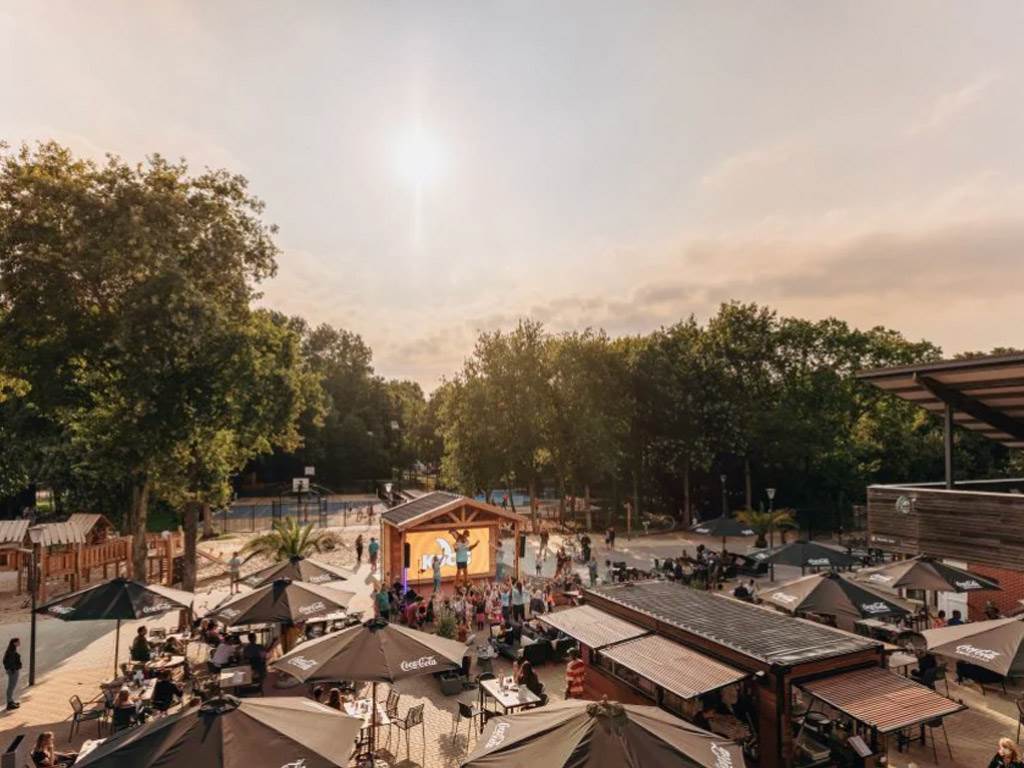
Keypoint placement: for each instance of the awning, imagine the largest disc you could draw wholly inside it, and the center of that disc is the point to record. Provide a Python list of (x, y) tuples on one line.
[(591, 627), (674, 667), (881, 699)]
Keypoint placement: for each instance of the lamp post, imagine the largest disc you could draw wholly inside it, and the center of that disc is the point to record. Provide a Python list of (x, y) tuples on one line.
[(722, 478), (35, 535), (771, 528)]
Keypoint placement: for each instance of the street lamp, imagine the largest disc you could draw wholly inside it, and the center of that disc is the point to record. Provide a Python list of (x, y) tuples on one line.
[(724, 505), (771, 527), (35, 535)]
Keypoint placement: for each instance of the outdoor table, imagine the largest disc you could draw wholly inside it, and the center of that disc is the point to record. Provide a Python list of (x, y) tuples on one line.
[(901, 661), (88, 746), (171, 662), (362, 708), (233, 677), (510, 700)]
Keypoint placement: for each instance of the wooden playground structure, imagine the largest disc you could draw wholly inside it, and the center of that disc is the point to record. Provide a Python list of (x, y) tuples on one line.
[(67, 556)]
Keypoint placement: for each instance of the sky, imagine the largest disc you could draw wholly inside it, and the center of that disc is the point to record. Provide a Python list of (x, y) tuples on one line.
[(441, 168)]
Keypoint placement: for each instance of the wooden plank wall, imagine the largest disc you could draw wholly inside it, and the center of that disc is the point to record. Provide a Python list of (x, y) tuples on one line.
[(974, 527)]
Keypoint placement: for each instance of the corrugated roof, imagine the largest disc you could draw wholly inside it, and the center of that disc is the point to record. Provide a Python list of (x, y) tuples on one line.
[(881, 699), (436, 502), (87, 520), (55, 534), (424, 505), (759, 633), (673, 666), (13, 531), (986, 393), (592, 627)]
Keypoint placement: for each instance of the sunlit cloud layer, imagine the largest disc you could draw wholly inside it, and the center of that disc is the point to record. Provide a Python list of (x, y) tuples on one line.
[(441, 169)]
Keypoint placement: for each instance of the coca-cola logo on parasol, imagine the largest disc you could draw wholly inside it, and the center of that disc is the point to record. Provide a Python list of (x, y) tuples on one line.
[(317, 607), (300, 763), (61, 610), (701, 530), (498, 737), (968, 584), (157, 607), (320, 579), (881, 578), (722, 757), (819, 561), (230, 613), (784, 597), (972, 652), (878, 607), (423, 662), (302, 663)]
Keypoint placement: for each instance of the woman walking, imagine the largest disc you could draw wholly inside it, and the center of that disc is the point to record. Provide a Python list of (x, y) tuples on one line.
[(359, 550), (12, 666)]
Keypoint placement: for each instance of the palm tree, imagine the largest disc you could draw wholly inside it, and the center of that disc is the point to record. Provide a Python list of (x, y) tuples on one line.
[(287, 539), (761, 522)]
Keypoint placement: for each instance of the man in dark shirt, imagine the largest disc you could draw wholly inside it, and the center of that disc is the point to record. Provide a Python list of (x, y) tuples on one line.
[(165, 692), (140, 647), (254, 655)]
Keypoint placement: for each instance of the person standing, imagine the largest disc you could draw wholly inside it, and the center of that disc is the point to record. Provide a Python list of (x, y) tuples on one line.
[(499, 561), (518, 603), (140, 647), (235, 571), (575, 672), (373, 550), (544, 536), (592, 570), (462, 550), (611, 537), (359, 550), (506, 604), (383, 601), (435, 566), (12, 666)]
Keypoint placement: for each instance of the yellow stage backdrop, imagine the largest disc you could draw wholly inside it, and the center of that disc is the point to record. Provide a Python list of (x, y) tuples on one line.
[(423, 545)]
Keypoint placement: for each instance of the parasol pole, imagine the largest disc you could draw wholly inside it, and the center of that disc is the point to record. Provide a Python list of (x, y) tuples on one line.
[(373, 723), (117, 646)]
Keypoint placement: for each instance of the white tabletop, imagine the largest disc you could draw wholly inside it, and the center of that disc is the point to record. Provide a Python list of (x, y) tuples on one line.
[(521, 696), (232, 677), (361, 708)]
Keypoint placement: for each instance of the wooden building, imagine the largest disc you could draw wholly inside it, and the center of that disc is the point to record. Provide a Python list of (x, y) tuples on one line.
[(96, 528), (976, 524), (414, 532), (673, 644)]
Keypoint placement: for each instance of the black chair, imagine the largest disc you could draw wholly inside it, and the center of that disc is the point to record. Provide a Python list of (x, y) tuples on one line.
[(79, 715), (412, 718), (930, 727), (122, 718), (468, 712)]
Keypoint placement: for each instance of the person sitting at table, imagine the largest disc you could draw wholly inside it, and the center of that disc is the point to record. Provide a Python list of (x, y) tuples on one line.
[(741, 592), (926, 670), (992, 610), (173, 647), (955, 620), (224, 654), (125, 712), (509, 641), (140, 647), (165, 692), (334, 699), (939, 621), (44, 755), (528, 677), (318, 693), (254, 655), (210, 634), (703, 717), (1006, 755)]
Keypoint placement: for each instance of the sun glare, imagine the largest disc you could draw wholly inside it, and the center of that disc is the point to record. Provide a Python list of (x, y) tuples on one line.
[(419, 158)]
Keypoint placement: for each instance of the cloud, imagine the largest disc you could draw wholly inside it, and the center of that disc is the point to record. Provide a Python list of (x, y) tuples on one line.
[(927, 281), (948, 105)]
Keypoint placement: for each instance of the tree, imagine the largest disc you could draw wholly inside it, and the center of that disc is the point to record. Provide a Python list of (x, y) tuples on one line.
[(109, 276), (586, 421), (761, 521), (287, 539)]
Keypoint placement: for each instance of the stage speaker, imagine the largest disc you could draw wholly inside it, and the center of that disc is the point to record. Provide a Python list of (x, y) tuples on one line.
[(406, 554), (522, 545)]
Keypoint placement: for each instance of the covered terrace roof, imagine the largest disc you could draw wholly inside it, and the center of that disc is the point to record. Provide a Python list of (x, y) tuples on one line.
[(986, 394)]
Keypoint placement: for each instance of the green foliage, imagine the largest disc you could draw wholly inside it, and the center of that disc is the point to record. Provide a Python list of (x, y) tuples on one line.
[(445, 625), (288, 538), (762, 521)]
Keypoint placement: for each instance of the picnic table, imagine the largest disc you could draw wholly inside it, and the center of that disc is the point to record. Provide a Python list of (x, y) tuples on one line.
[(234, 677), (510, 699)]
